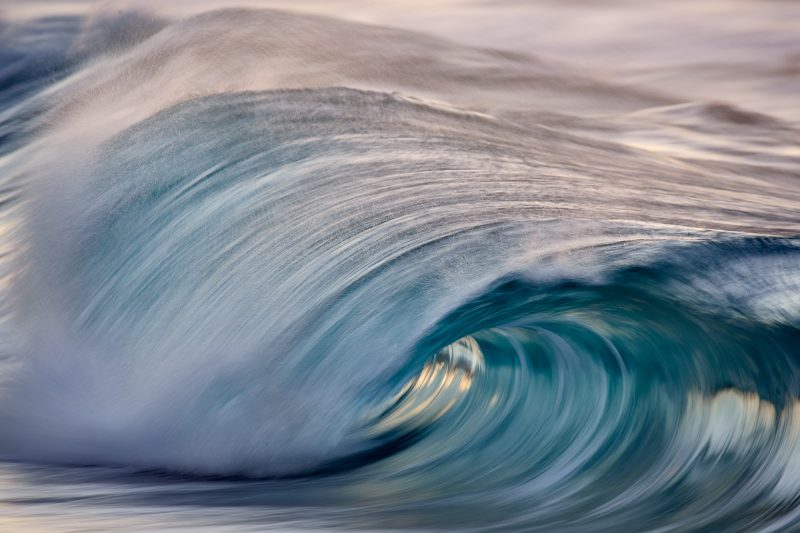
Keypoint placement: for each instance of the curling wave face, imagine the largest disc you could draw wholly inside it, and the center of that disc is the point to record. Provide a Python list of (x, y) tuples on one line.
[(246, 269)]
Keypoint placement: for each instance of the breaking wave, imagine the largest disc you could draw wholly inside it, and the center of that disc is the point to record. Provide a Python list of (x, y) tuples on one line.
[(239, 267)]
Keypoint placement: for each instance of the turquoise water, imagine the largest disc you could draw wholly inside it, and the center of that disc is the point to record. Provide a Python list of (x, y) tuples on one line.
[(274, 271)]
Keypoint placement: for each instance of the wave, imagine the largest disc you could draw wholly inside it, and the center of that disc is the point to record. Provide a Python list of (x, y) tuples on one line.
[(237, 268)]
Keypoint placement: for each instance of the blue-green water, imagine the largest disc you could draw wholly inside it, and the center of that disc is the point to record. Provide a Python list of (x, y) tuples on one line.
[(269, 271)]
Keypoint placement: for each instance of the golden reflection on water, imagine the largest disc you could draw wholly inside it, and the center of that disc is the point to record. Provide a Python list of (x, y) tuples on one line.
[(440, 385)]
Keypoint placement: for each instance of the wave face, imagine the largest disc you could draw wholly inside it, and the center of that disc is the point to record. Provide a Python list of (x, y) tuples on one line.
[(381, 282)]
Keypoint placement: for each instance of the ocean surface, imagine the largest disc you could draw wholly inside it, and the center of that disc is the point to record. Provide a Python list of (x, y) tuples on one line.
[(400, 266)]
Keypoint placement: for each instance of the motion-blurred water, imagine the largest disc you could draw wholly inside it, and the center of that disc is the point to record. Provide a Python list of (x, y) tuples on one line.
[(468, 266)]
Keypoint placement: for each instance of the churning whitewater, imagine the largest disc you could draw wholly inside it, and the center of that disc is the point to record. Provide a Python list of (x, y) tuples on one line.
[(386, 280)]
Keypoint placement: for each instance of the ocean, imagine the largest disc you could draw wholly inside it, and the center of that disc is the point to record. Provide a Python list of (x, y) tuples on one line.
[(400, 266)]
